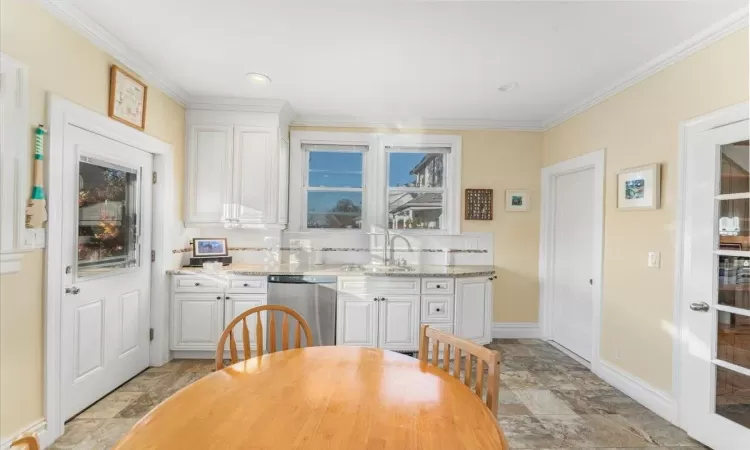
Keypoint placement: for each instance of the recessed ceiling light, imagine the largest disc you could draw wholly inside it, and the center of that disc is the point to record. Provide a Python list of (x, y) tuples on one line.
[(258, 78), (509, 87)]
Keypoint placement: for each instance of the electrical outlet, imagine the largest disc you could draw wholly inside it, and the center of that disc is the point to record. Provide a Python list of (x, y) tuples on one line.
[(654, 259)]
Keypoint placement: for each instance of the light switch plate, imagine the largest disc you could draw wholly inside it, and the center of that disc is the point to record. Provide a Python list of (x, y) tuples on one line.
[(654, 259)]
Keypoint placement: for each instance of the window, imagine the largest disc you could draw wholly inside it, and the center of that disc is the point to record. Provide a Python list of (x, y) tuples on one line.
[(333, 185), (370, 182), (416, 187)]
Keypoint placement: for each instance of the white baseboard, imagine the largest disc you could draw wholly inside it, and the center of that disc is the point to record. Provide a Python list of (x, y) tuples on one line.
[(652, 398), (39, 427), (516, 330)]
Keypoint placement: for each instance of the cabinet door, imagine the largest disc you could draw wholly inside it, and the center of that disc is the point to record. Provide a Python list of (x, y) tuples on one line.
[(399, 322), (235, 305), (208, 186), (253, 177), (197, 321), (473, 309), (283, 182), (356, 320)]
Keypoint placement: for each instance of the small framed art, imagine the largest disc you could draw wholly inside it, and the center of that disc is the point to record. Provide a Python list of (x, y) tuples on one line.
[(478, 204), (639, 188), (516, 200), (210, 247), (127, 98)]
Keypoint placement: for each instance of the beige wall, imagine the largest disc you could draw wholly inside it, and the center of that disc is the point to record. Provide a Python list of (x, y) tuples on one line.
[(62, 62), (640, 126), (502, 160)]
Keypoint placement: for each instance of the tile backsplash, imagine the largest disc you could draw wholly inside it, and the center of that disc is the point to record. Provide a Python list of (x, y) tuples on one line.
[(249, 247)]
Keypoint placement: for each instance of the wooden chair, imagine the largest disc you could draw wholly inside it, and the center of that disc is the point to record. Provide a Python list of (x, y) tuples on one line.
[(229, 333), (29, 442), (484, 356)]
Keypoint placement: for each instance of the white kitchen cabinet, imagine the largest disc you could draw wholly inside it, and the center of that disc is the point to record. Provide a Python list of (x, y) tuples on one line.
[(473, 309), (236, 304), (357, 320), (197, 321), (399, 322), (237, 168), (208, 163)]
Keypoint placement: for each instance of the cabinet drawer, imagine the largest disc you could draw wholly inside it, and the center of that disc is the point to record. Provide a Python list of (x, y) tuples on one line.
[(437, 285), (437, 308), (198, 284), (382, 286), (250, 285)]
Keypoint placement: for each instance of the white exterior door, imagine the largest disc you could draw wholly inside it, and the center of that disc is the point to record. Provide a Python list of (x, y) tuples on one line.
[(399, 322), (357, 320), (474, 309), (106, 260), (716, 289), (572, 265)]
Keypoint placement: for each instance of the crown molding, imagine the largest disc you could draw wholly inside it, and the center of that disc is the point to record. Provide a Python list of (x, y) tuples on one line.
[(714, 33), (421, 124), (67, 13)]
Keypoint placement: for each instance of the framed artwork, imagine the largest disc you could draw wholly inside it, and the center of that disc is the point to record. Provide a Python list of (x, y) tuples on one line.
[(478, 204), (516, 200), (639, 188), (210, 247), (127, 98)]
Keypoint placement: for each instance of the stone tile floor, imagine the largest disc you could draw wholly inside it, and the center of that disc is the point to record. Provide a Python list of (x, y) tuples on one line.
[(547, 401)]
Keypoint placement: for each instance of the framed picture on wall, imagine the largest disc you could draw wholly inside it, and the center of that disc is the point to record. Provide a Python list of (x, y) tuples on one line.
[(639, 188), (516, 200), (127, 98)]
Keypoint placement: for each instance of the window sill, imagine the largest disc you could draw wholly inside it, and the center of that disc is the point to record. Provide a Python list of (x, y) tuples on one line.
[(10, 263)]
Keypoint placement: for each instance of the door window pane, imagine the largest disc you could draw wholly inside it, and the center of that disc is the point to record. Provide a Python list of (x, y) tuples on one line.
[(734, 224), (415, 210), (335, 169), (334, 209), (107, 228), (735, 163), (415, 169), (733, 336), (734, 281), (733, 396)]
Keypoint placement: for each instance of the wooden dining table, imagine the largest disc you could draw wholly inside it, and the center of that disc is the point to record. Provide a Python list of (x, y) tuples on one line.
[(321, 398)]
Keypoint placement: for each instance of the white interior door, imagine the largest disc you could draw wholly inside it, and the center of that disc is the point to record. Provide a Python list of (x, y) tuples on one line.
[(572, 265), (716, 289), (106, 258)]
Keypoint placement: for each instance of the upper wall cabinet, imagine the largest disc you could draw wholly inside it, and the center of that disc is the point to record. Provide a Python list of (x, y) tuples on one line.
[(237, 167)]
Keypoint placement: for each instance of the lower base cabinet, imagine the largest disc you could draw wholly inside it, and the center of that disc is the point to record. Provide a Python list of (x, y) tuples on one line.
[(235, 305), (473, 309), (197, 321), (399, 322), (372, 320)]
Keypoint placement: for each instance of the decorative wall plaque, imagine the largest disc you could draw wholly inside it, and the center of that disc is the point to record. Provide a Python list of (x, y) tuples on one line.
[(478, 204)]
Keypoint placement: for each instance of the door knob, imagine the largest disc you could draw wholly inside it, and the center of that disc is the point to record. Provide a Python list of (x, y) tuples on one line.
[(72, 290), (700, 306)]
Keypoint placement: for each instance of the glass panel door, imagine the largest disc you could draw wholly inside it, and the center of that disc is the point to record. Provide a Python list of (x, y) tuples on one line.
[(108, 218)]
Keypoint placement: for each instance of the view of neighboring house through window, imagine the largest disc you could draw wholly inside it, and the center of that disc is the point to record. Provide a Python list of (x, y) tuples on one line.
[(334, 185), (416, 187)]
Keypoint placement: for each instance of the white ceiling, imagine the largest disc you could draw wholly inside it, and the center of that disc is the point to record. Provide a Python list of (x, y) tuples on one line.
[(406, 61)]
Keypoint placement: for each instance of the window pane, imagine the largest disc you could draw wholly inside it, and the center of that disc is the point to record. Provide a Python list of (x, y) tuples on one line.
[(334, 209), (735, 163), (335, 169), (733, 396), (415, 169), (417, 210), (734, 281), (106, 219), (734, 224), (733, 336)]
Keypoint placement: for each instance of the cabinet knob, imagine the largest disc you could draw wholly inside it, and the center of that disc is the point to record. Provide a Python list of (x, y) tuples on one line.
[(246, 285), (197, 284), (227, 297), (375, 299), (218, 298), (383, 299), (438, 286), (437, 309)]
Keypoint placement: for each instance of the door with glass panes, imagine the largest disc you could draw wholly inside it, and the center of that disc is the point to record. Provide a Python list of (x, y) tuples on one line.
[(716, 289), (106, 237)]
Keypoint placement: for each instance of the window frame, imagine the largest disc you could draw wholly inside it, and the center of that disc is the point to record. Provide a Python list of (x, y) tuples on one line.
[(375, 186)]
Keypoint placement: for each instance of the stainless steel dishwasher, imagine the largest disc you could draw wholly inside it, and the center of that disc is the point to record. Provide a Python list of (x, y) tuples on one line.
[(313, 297)]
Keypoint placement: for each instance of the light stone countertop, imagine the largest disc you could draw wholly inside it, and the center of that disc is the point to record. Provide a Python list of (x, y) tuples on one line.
[(341, 270)]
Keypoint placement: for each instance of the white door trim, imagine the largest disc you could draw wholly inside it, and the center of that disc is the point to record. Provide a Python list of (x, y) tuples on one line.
[(60, 114), (688, 131), (596, 161)]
